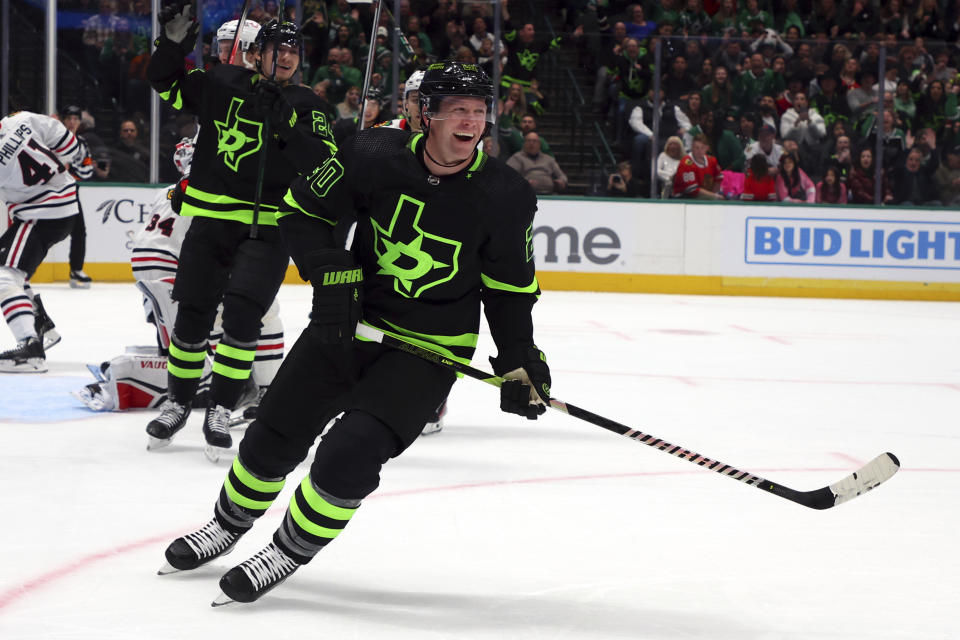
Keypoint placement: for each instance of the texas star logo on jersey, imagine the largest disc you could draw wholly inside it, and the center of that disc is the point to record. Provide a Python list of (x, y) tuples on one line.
[(237, 137), (417, 259)]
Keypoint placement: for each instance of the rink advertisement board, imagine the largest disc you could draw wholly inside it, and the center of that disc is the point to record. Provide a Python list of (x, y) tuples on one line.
[(664, 246)]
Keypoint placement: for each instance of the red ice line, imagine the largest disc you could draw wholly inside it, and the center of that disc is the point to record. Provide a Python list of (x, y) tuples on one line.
[(11, 595)]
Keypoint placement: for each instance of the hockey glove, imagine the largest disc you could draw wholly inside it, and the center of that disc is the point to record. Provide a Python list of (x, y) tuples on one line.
[(270, 104), (178, 25), (176, 194), (336, 284), (526, 390)]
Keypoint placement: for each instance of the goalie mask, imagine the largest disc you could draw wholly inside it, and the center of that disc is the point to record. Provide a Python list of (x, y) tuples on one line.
[(454, 79)]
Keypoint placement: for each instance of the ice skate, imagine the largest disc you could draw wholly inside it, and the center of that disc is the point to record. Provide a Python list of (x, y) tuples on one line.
[(198, 548), (26, 357), (172, 418), (43, 325), (254, 577), (249, 406), (216, 431), (80, 280), (436, 423)]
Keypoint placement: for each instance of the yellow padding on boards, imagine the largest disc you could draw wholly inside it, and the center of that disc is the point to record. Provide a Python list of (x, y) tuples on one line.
[(634, 283)]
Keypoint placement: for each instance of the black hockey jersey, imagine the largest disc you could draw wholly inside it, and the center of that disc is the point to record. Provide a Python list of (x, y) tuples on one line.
[(226, 161), (431, 248)]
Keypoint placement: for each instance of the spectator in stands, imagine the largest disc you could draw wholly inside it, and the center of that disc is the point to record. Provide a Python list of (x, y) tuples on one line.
[(759, 185), (677, 84), (861, 181), (848, 71), (732, 57), (892, 18), (718, 96), (611, 46), (350, 107), (523, 57), (842, 156), (688, 115), (926, 21), (751, 13), (826, 19), (698, 174), (864, 96), (512, 107), (912, 185), (539, 169), (726, 19), (768, 111), (130, 159), (831, 190), (935, 107), (804, 121), (894, 141), (98, 30), (705, 76), (947, 177), (694, 21), (829, 102), (633, 72), (793, 183), (904, 103), (758, 80), (942, 69), (339, 72), (623, 184), (765, 146), (72, 118), (514, 136), (639, 28), (667, 163)]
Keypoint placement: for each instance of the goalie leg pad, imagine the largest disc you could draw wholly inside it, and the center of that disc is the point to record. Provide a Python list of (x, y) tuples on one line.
[(157, 298)]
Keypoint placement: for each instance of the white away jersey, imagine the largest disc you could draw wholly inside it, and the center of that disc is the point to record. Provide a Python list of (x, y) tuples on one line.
[(156, 247), (34, 181)]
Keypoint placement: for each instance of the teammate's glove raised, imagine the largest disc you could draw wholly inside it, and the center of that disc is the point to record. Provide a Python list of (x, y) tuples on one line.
[(270, 104), (526, 390), (178, 25), (336, 284)]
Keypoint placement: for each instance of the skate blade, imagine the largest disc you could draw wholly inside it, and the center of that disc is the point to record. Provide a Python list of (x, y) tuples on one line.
[(221, 600), (50, 338), (157, 443), (214, 454), (167, 569), (432, 427), (76, 284)]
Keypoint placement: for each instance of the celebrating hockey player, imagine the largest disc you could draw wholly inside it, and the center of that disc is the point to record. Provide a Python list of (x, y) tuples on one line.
[(41, 198), (441, 229), (219, 259)]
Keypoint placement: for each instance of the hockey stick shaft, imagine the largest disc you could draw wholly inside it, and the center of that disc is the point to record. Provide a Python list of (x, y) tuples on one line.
[(866, 478), (236, 36), (371, 54), (262, 160)]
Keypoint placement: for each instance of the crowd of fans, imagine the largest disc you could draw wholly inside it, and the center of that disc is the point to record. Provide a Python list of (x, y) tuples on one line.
[(794, 82), (111, 40), (778, 101)]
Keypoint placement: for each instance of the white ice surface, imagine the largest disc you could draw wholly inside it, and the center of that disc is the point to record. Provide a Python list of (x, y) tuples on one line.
[(503, 528)]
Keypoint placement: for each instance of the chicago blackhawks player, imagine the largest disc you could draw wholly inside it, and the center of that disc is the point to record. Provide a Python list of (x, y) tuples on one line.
[(222, 259), (41, 198), (441, 229)]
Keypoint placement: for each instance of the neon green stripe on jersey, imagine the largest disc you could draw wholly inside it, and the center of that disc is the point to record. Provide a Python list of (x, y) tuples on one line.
[(490, 283), (291, 201)]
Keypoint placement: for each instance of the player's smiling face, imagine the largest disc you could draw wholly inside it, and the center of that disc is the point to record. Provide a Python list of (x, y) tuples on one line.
[(287, 62), (458, 124)]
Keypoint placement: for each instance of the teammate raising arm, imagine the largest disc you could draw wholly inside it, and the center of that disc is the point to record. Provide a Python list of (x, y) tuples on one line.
[(219, 260), (441, 229)]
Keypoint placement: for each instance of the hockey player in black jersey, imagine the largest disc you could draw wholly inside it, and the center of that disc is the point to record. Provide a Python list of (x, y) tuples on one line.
[(219, 259), (441, 229)]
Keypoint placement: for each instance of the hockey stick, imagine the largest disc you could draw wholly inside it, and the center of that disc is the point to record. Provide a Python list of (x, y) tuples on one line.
[(368, 71), (262, 164), (869, 476), (236, 36)]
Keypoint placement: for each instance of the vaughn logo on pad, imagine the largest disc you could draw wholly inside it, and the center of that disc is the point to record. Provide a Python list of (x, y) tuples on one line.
[(905, 244)]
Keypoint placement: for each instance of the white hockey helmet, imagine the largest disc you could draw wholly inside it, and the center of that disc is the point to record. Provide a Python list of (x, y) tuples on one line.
[(412, 83), (183, 156), (227, 31)]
